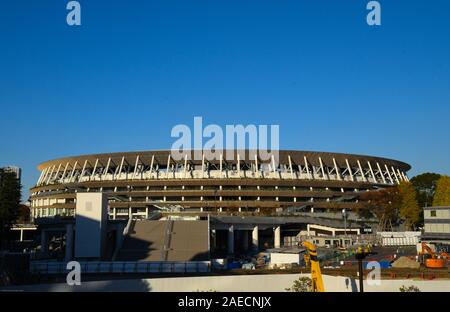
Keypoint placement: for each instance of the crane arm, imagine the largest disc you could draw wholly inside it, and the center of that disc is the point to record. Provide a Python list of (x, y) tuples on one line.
[(427, 249), (316, 274)]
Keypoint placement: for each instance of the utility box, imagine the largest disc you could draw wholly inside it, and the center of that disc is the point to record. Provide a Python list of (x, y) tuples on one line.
[(91, 217)]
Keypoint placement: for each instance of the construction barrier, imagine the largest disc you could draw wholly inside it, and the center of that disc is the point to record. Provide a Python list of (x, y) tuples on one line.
[(49, 267)]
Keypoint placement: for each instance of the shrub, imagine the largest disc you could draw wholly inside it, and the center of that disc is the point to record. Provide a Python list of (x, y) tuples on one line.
[(303, 284), (411, 288)]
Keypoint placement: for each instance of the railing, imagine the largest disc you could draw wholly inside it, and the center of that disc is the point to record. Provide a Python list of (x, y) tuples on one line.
[(226, 174), (98, 267)]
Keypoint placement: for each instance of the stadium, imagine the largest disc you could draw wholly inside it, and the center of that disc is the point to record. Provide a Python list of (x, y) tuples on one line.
[(140, 183)]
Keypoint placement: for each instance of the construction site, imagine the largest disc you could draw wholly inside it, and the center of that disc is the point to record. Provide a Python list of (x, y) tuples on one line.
[(218, 222), (173, 248)]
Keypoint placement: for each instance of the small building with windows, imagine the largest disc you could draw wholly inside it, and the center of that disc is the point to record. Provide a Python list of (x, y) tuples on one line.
[(437, 225)]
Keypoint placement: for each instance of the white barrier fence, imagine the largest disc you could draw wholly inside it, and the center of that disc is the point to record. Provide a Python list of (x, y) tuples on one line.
[(399, 238), (49, 267)]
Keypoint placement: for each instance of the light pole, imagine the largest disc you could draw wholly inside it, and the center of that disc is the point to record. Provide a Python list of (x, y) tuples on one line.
[(344, 214)]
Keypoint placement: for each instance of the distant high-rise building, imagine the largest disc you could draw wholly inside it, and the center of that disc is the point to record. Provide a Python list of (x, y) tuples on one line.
[(13, 169)]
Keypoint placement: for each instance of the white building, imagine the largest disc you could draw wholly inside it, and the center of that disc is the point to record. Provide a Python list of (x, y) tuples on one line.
[(437, 224)]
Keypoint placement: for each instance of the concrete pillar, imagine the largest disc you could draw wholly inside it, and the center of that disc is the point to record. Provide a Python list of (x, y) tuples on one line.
[(255, 238), (69, 242), (21, 235), (231, 240), (277, 236), (245, 240)]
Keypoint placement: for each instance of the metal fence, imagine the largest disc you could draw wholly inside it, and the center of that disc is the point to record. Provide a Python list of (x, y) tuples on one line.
[(49, 267)]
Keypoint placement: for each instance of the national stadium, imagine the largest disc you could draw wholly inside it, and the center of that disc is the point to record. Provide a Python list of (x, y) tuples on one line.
[(138, 183), (195, 208)]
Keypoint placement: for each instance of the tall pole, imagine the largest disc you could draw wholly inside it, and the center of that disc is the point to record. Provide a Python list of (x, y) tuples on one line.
[(361, 254), (361, 272), (344, 213)]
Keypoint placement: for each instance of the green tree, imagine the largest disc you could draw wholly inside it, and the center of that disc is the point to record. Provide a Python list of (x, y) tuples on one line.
[(425, 185), (442, 194), (409, 209), (10, 190)]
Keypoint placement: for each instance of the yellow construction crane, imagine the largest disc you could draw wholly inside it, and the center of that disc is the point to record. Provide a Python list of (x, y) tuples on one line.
[(316, 275)]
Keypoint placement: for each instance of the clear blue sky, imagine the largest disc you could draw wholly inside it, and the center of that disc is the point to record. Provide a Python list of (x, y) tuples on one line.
[(134, 69)]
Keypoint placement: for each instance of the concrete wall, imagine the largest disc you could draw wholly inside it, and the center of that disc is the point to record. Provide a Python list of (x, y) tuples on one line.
[(242, 283), (437, 219)]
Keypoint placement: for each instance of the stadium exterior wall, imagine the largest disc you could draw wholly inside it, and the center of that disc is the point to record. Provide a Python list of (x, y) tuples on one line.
[(137, 183)]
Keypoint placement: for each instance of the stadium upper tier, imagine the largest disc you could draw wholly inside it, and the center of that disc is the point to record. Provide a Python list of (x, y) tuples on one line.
[(139, 181)]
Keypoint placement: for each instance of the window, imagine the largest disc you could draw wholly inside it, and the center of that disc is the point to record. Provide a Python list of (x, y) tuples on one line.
[(433, 213)]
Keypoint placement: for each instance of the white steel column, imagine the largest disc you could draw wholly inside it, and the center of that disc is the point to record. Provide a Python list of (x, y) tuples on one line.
[(119, 173), (43, 176), (151, 166), (256, 166), (322, 169), (203, 165), (307, 167), (47, 171), (105, 172), (381, 172), (50, 175), (185, 166), (168, 166), (95, 169), (405, 177), (371, 172), (273, 164), (349, 170), (239, 165), (47, 175), (338, 173), (57, 171), (290, 166), (400, 175), (40, 177), (73, 171), (64, 172), (136, 164), (395, 175), (221, 165), (82, 170), (361, 171), (389, 174)]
